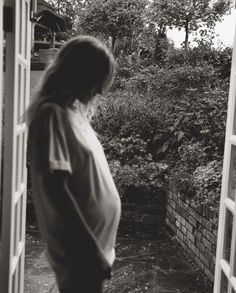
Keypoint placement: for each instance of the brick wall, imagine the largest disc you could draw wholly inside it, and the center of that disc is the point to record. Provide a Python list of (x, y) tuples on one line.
[(195, 230), (142, 212)]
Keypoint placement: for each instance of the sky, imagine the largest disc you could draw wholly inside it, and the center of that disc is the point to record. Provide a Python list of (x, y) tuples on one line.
[(225, 31)]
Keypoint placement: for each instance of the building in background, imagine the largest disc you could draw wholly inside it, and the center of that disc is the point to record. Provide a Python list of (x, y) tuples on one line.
[(48, 31)]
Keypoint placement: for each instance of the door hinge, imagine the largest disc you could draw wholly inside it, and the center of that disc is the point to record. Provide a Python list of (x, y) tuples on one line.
[(8, 18)]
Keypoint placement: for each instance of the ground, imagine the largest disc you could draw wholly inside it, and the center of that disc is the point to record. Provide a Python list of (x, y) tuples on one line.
[(146, 262)]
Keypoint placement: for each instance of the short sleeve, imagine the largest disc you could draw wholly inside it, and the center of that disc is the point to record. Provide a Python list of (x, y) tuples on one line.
[(50, 140), (58, 148)]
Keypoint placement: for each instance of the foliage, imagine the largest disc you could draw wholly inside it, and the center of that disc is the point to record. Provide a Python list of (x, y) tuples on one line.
[(172, 115), (201, 186), (124, 114), (207, 182), (204, 54), (201, 116), (147, 177), (189, 15), (125, 125), (189, 156), (122, 18), (132, 165), (68, 10)]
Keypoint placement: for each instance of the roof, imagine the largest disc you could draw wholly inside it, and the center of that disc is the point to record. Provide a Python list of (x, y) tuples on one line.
[(47, 16)]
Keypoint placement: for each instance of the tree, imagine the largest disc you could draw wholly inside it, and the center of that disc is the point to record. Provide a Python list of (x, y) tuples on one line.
[(188, 14), (68, 10), (115, 19)]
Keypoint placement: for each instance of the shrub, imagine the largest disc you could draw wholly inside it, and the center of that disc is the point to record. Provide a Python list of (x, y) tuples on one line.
[(201, 117), (166, 123), (124, 114), (147, 177), (189, 156), (207, 182), (132, 165), (202, 55)]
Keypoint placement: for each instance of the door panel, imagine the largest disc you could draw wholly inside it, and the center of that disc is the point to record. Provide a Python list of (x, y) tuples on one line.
[(17, 74)]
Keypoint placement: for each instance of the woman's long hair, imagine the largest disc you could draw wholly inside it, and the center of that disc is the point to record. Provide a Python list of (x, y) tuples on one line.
[(82, 68)]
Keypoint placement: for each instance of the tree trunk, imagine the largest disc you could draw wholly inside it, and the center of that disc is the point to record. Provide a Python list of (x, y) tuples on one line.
[(186, 35)]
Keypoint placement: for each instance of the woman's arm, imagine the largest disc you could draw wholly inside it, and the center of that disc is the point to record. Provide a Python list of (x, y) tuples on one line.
[(77, 240)]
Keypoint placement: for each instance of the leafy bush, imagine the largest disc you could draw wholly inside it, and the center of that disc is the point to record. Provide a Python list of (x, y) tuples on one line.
[(189, 156), (202, 117), (133, 166), (147, 177), (207, 182), (200, 56), (124, 114), (167, 124)]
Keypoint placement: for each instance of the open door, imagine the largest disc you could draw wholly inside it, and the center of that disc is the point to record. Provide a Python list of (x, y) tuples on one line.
[(225, 271), (17, 77)]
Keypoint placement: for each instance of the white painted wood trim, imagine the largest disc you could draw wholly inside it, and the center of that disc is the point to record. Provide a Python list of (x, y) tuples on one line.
[(226, 203)]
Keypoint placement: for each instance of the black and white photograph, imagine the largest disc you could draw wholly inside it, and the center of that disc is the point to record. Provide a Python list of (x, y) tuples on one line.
[(117, 146)]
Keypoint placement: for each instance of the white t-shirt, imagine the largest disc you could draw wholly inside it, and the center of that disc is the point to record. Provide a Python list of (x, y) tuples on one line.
[(100, 201), (55, 144)]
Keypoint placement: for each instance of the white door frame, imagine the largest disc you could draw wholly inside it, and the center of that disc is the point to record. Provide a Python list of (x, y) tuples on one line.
[(225, 270), (17, 79)]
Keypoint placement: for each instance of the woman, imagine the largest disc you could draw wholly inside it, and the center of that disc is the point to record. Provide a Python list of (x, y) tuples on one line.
[(76, 201)]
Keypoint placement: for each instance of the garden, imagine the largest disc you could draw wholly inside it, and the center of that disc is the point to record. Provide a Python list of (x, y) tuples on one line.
[(162, 123)]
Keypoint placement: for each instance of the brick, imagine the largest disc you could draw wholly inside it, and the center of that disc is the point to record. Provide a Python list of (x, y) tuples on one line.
[(171, 218), (191, 237), (180, 234), (215, 232), (190, 211), (169, 224), (199, 263), (200, 227), (207, 243), (204, 232), (189, 227), (182, 221), (195, 250), (211, 237), (177, 223), (198, 235), (172, 204), (214, 249), (191, 254), (197, 216), (204, 260), (178, 217), (187, 241), (208, 254), (184, 230), (193, 221), (207, 224), (200, 246), (169, 209), (184, 246), (212, 266)]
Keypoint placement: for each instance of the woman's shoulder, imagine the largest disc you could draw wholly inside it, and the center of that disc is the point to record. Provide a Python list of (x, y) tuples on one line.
[(51, 111), (51, 108)]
